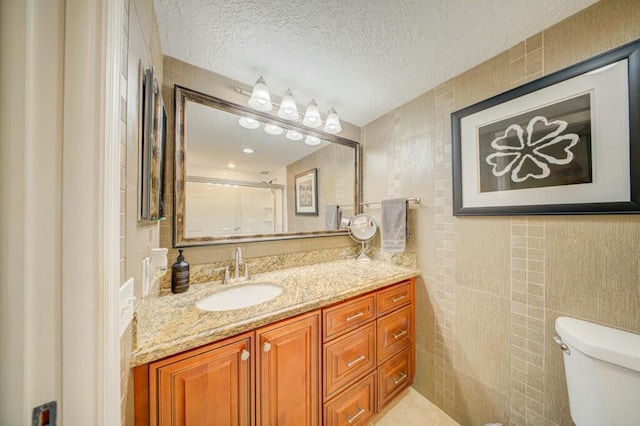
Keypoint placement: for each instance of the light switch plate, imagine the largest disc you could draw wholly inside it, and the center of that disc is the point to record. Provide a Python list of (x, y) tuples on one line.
[(146, 276), (126, 304)]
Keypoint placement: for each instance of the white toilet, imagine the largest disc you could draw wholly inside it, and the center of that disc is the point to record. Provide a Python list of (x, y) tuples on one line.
[(602, 366)]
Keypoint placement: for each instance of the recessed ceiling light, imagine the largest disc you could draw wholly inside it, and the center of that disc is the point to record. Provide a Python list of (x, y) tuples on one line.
[(247, 151), (231, 165)]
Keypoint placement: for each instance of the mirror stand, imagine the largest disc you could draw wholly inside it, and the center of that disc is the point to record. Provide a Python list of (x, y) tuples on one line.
[(362, 229)]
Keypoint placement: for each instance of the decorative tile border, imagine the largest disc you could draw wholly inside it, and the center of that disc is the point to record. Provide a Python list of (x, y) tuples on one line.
[(445, 388), (527, 320)]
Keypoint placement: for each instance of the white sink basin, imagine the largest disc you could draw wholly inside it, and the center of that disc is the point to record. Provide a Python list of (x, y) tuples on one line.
[(241, 296)]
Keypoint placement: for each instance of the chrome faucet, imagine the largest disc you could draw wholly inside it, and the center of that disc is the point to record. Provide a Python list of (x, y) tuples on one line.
[(236, 273), (238, 262)]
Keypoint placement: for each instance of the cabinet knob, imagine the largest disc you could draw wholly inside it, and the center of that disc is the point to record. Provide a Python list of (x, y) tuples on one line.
[(244, 355), (266, 347)]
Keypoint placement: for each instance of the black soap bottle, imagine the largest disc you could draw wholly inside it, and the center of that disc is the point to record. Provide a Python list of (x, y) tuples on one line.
[(180, 275)]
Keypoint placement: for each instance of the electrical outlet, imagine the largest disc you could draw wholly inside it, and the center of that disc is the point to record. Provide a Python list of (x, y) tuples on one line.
[(45, 414)]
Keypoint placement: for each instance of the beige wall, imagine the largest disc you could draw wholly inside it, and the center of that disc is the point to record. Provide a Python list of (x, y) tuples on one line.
[(142, 50), (180, 73), (334, 164), (493, 286)]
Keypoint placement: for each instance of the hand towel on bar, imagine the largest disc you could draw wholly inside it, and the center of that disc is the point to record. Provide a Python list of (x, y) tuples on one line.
[(394, 226), (332, 216)]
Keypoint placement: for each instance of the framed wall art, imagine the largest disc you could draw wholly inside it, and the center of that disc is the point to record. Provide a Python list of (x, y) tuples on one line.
[(567, 143), (306, 193)]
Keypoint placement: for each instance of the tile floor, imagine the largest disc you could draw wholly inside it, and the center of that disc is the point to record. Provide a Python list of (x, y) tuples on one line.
[(412, 409)]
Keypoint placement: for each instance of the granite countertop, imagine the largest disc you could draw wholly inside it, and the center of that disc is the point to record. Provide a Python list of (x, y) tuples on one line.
[(171, 323)]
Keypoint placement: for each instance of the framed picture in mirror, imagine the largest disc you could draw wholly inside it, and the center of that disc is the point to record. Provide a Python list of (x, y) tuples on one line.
[(306, 187)]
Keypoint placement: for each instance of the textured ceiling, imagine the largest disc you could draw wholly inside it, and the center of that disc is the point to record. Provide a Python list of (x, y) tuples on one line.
[(364, 57)]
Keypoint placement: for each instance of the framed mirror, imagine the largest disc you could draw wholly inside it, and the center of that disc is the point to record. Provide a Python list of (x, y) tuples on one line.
[(238, 175)]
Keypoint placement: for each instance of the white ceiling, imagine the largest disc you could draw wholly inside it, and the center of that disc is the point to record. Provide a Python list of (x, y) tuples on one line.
[(364, 57)]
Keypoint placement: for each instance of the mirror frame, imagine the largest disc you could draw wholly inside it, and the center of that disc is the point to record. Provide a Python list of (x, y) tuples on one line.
[(181, 96)]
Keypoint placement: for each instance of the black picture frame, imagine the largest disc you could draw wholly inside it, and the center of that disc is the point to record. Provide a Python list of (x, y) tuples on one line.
[(610, 186), (306, 193)]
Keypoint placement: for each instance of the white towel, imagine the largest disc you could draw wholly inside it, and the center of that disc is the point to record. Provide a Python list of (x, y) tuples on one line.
[(393, 229), (332, 216)]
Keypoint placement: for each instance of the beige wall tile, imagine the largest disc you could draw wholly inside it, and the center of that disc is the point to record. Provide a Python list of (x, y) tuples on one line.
[(556, 398), (477, 404), (483, 81), (601, 27), (482, 338), (482, 254)]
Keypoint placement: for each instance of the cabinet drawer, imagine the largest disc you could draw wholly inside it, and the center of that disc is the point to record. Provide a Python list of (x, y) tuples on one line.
[(354, 406), (394, 375), (395, 332), (394, 297), (349, 357), (348, 316)]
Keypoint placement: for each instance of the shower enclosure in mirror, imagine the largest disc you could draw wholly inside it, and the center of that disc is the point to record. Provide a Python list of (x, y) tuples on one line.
[(235, 174)]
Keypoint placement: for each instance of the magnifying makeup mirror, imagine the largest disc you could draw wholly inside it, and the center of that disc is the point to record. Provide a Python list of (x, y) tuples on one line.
[(362, 229)]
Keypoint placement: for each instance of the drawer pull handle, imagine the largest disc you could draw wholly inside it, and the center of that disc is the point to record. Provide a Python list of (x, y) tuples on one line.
[(354, 316), (351, 419), (244, 355), (355, 361), (398, 298), (400, 379), (399, 334), (266, 347)]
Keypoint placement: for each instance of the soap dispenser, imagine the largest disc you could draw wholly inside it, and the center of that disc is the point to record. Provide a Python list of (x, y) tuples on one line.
[(180, 275)]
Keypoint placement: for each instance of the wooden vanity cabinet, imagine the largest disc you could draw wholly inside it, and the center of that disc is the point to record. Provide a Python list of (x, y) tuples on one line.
[(368, 353), (234, 383), (211, 385), (288, 366)]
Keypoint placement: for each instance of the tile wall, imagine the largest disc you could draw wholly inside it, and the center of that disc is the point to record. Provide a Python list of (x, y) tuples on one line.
[(492, 287)]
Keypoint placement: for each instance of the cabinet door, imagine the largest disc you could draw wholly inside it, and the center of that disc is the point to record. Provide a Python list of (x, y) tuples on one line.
[(288, 372), (208, 388)]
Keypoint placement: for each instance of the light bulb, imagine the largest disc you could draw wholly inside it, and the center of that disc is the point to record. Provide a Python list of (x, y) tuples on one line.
[(332, 124), (288, 108), (272, 129), (294, 135), (312, 140), (248, 123), (312, 116), (260, 99)]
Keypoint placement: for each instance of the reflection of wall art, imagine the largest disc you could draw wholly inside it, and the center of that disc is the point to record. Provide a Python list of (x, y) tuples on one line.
[(568, 143), (306, 187)]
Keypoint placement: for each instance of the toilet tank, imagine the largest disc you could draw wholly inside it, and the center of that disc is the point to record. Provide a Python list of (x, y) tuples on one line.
[(602, 367)]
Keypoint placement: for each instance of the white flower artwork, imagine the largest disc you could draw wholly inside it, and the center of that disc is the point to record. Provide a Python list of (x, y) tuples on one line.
[(526, 155)]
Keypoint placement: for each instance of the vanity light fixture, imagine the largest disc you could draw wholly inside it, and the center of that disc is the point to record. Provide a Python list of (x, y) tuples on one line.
[(333, 122), (247, 151), (312, 140), (294, 135), (312, 116), (288, 108), (272, 129), (260, 99), (248, 123)]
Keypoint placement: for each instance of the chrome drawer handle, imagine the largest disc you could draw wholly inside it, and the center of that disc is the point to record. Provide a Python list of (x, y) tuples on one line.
[(355, 361), (400, 334), (351, 419), (354, 316), (244, 355), (398, 298), (400, 379)]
